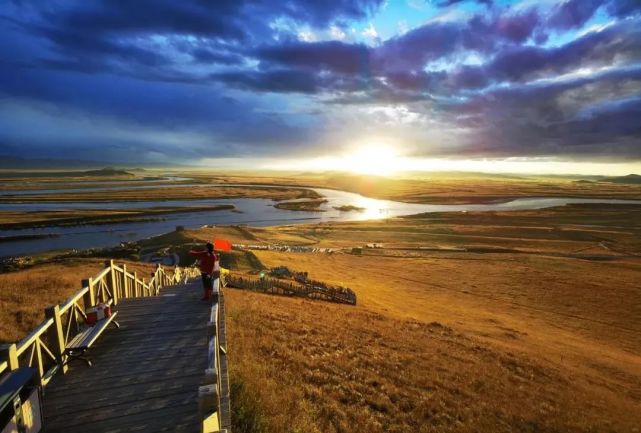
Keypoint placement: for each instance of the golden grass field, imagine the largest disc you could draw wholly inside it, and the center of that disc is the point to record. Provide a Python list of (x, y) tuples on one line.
[(16, 219), (523, 321), (438, 187), (544, 338), (160, 193)]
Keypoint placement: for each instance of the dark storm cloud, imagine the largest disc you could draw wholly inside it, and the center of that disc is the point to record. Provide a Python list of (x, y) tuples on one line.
[(225, 19), (282, 80), (158, 16), (331, 55), (592, 114), (204, 55), (623, 8), (619, 43), (573, 13)]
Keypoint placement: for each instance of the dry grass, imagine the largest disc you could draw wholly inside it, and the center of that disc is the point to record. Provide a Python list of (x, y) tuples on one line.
[(13, 219), (543, 339), (305, 205), (174, 193), (25, 294), (438, 187), (316, 367)]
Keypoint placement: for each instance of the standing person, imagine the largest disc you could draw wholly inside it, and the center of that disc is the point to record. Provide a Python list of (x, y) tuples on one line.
[(209, 264)]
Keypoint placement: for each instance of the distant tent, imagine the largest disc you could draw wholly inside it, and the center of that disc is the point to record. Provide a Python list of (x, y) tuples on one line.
[(222, 245)]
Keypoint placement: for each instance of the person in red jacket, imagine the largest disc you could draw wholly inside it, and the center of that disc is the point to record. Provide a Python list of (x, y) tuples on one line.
[(208, 269)]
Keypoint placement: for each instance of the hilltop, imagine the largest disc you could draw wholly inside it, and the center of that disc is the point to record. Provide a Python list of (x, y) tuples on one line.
[(629, 179), (107, 171)]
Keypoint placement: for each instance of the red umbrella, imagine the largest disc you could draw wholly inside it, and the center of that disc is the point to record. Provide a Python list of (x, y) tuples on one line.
[(222, 245)]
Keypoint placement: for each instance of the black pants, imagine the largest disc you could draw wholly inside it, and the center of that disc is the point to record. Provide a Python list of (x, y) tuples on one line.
[(208, 286), (208, 282)]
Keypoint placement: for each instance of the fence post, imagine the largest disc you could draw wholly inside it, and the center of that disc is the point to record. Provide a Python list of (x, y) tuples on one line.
[(88, 298), (10, 354), (111, 282), (158, 279), (125, 282), (56, 336)]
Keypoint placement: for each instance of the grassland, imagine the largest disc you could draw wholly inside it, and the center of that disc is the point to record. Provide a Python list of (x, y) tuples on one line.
[(15, 220), (412, 188), (303, 205), (477, 322), (539, 332), (449, 188), (160, 193)]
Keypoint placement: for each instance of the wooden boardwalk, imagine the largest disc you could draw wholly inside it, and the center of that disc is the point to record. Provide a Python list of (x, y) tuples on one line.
[(145, 375)]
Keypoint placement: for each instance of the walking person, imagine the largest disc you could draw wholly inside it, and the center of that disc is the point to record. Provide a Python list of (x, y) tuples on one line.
[(209, 270)]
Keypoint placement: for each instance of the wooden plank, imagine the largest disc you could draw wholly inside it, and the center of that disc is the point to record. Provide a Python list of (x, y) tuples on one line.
[(108, 384), (145, 376), (146, 389), (159, 364), (178, 420), (165, 412)]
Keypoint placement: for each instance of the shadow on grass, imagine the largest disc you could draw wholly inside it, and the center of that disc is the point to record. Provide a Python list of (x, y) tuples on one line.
[(246, 414)]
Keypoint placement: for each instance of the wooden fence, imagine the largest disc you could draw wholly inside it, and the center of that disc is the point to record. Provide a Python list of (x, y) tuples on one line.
[(213, 395), (44, 347), (309, 289)]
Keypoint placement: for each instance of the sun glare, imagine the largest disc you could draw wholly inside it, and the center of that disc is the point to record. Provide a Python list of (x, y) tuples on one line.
[(376, 159)]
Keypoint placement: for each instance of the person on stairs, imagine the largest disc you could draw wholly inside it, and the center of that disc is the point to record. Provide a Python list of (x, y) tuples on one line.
[(209, 266)]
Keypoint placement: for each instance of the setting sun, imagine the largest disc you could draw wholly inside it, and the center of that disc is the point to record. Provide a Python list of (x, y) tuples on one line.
[(374, 159)]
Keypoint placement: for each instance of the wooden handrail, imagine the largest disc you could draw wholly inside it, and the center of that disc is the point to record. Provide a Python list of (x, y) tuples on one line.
[(110, 283), (210, 392), (102, 274), (27, 341), (73, 299)]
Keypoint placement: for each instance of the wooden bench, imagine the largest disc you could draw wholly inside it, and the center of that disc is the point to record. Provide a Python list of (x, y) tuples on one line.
[(77, 347)]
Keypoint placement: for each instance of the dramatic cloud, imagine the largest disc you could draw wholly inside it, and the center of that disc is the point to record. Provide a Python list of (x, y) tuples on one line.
[(234, 78)]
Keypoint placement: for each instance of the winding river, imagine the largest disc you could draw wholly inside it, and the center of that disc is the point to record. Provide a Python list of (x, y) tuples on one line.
[(252, 211)]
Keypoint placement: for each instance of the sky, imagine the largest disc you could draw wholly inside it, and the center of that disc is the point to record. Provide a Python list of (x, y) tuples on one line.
[(393, 85)]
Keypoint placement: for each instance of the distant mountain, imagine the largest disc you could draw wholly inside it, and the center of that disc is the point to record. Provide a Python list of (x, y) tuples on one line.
[(107, 171), (18, 163), (629, 179)]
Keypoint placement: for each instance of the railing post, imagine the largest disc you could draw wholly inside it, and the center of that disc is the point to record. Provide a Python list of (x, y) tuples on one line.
[(10, 354), (145, 289), (88, 298), (56, 336), (39, 363), (111, 281), (125, 282), (208, 408), (136, 294), (158, 278)]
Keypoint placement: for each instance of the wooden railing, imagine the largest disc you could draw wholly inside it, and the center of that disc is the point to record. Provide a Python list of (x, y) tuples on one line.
[(308, 289), (213, 395), (44, 348)]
